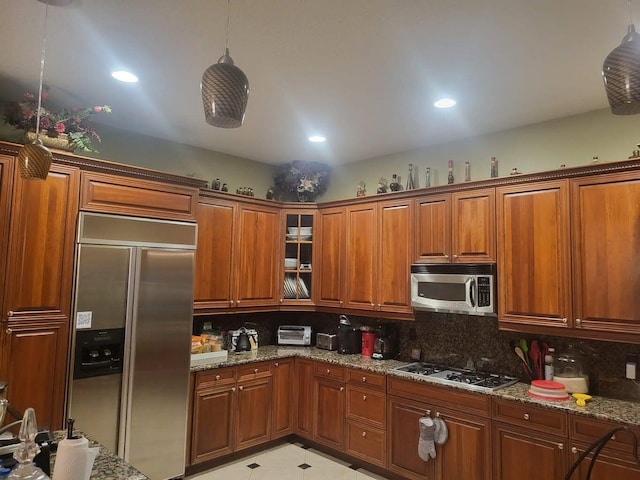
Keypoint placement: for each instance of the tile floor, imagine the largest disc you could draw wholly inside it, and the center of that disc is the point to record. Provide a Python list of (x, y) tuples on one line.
[(290, 461)]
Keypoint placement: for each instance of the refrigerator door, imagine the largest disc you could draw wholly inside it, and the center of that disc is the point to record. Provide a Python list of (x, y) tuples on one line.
[(102, 292), (158, 380)]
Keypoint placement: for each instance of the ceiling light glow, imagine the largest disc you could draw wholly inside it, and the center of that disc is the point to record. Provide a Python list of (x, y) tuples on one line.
[(124, 76), (444, 103), (317, 139)]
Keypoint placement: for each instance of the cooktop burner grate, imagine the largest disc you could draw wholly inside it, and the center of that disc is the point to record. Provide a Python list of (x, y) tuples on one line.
[(458, 376)]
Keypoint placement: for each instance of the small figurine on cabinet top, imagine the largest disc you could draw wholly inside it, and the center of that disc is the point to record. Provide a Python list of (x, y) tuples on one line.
[(270, 194), (514, 171), (382, 185), (427, 177), (225, 188), (635, 154), (494, 167), (450, 178), (394, 186), (215, 185), (361, 189)]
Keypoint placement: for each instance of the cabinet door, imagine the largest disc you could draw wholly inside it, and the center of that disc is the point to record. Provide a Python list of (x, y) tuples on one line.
[(472, 437), (253, 413), (258, 256), (521, 453), (212, 427), (534, 266), (607, 467), (298, 281), (433, 229), (214, 265), (41, 245), (330, 284), (473, 218), (395, 254), (6, 182), (403, 434), (34, 364), (361, 261), (304, 397), (606, 211), (329, 418), (282, 401)]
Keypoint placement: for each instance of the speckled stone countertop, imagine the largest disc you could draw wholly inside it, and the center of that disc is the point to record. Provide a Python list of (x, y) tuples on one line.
[(599, 407), (107, 466)]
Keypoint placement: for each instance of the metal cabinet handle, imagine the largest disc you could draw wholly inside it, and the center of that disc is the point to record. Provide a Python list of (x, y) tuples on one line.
[(364, 398), (560, 446), (446, 256), (340, 302), (578, 322), (217, 377), (238, 302), (526, 416), (255, 370), (574, 450), (282, 300), (364, 434), (437, 414), (9, 331), (240, 387), (613, 437), (373, 305), (10, 313), (455, 256), (328, 371), (233, 389), (231, 302), (364, 379), (342, 389), (277, 364), (427, 413), (564, 320)]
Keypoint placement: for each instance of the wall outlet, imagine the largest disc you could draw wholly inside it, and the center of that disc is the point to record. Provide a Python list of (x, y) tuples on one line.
[(632, 364), (416, 353)]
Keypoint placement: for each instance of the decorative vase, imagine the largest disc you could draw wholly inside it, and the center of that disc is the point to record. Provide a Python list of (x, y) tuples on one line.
[(61, 142)]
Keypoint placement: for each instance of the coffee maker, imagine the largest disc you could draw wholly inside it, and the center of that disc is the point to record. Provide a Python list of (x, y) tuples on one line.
[(386, 344), (349, 337)]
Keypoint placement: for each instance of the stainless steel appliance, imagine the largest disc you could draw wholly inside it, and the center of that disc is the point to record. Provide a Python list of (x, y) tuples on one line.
[(460, 377), (386, 344), (132, 337), (455, 288), (294, 335), (327, 341)]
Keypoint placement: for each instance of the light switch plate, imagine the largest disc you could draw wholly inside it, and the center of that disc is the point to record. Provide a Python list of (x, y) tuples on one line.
[(415, 354)]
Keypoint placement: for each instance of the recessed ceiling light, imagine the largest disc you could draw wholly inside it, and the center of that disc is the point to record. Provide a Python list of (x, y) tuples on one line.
[(317, 139), (444, 103), (124, 76)]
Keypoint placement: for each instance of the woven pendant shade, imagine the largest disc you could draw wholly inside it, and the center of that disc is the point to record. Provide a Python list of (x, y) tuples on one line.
[(225, 92), (621, 74), (34, 160)]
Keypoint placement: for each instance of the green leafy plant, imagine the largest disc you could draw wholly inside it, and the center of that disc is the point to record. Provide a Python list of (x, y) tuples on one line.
[(72, 121)]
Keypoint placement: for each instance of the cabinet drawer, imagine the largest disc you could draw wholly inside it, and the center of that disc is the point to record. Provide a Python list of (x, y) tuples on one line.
[(367, 443), (215, 377), (531, 417), (588, 430), (328, 370), (252, 371), (375, 381), (366, 406)]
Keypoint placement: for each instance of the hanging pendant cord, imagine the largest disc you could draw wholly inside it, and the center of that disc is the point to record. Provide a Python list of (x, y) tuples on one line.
[(44, 43), (226, 40), (630, 14)]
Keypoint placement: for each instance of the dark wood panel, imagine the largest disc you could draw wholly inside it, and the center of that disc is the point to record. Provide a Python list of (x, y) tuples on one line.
[(367, 406), (331, 251), (329, 413), (212, 424), (367, 443), (304, 397), (473, 234), (361, 262), (433, 229), (6, 185), (283, 402), (253, 415), (370, 380), (529, 416), (135, 197), (607, 467)]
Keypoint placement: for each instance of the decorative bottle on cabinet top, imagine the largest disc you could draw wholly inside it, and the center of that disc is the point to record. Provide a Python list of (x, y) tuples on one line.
[(450, 178), (467, 172), (410, 183), (494, 167), (427, 177)]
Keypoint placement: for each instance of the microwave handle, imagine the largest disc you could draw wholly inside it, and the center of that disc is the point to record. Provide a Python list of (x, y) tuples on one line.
[(471, 288)]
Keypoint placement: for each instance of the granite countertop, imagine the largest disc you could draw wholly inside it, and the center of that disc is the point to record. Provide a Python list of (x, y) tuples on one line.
[(599, 407), (107, 465)]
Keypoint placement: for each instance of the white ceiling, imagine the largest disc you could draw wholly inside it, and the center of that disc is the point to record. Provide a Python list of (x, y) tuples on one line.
[(364, 73)]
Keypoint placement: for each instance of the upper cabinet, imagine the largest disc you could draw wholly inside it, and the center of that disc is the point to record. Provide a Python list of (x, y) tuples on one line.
[(365, 255), (41, 246), (456, 227), (298, 279), (238, 255), (606, 253), (6, 182)]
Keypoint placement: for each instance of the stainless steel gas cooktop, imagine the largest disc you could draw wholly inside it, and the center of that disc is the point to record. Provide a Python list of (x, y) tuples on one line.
[(458, 376)]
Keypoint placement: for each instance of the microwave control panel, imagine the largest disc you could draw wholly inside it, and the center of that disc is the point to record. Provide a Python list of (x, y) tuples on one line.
[(484, 291)]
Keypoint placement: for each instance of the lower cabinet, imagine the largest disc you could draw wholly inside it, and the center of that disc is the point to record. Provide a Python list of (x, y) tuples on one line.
[(304, 396), (253, 416), (329, 408), (282, 408), (608, 466)]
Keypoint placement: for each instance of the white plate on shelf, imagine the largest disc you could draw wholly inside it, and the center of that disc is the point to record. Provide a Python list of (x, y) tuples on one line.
[(304, 293)]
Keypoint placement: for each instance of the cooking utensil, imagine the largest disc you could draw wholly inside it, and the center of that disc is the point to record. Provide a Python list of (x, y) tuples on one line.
[(536, 357), (520, 355), (525, 350)]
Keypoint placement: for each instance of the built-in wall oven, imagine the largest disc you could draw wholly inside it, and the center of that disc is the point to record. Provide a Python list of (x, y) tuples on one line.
[(456, 288)]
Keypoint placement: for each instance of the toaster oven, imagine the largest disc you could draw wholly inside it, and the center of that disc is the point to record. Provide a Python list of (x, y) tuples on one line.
[(294, 335)]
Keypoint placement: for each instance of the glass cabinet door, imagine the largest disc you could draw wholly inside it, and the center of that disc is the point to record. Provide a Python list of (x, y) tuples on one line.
[(298, 266)]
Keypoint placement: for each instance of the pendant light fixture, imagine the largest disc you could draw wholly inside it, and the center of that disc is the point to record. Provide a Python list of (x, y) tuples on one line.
[(621, 73), (225, 90)]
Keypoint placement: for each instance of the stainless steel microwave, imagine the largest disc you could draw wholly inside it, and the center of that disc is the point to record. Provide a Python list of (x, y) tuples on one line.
[(454, 288)]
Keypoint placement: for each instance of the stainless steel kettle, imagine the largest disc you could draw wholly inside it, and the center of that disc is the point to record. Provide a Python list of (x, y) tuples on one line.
[(243, 344)]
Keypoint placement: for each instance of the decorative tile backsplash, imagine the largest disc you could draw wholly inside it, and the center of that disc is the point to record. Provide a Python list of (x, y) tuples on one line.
[(457, 339)]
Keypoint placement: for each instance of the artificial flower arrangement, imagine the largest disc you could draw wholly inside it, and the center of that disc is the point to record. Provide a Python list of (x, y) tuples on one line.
[(71, 122), (306, 180)]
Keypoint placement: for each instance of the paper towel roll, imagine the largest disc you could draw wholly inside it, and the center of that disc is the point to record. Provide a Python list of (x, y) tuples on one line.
[(74, 460)]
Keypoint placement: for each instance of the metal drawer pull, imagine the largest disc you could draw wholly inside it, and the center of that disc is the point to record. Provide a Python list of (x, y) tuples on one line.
[(364, 379), (277, 364), (364, 397), (233, 389), (342, 389), (574, 450), (437, 414), (240, 387), (564, 320), (560, 446), (217, 377), (9, 331), (427, 413), (526, 416), (364, 434), (255, 370), (328, 371), (10, 313)]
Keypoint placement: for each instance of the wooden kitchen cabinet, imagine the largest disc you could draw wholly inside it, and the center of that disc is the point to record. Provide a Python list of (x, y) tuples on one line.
[(253, 414), (329, 412), (304, 388), (331, 230), (6, 184), (297, 281), (361, 266), (34, 365), (238, 255), (456, 227), (283, 404), (534, 258), (608, 465)]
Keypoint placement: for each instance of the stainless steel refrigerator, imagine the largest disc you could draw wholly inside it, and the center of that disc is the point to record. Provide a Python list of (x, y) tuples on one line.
[(132, 338)]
